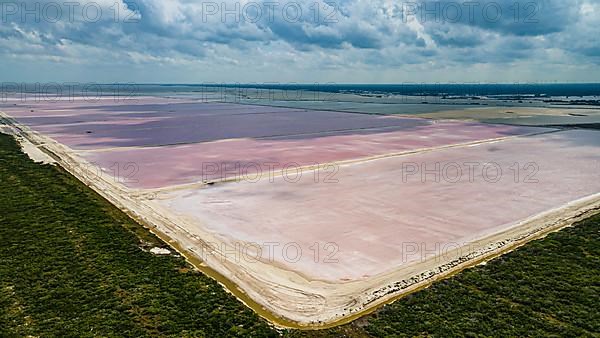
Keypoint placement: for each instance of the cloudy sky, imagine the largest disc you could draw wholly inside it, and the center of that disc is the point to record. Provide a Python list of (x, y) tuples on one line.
[(356, 41)]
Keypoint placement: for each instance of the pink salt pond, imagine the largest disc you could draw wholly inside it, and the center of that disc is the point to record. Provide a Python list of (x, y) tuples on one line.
[(208, 161), (376, 213)]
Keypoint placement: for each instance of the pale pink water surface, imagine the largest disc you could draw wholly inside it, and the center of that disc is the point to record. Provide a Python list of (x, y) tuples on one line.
[(376, 210), (172, 165), (220, 140)]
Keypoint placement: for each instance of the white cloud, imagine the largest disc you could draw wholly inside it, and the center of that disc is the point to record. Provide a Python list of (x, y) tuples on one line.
[(206, 41)]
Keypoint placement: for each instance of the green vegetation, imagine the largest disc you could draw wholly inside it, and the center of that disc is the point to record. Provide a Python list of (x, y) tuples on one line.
[(71, 264)]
